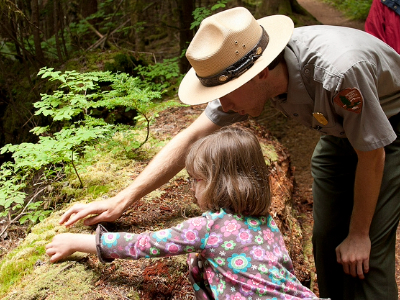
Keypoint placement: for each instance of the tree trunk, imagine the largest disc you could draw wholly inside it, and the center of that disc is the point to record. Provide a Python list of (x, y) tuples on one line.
[(36, 32), (88, 7), (55, 17), (62, 28), (185, 8)]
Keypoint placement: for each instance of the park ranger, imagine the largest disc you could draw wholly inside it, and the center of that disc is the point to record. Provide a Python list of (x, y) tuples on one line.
[(340, 81)]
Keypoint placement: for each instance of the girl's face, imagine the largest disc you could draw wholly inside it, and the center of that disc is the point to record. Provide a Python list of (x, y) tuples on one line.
[(197, 186)]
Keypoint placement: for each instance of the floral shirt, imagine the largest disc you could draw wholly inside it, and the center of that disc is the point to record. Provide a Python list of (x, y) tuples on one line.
[(237, 257)]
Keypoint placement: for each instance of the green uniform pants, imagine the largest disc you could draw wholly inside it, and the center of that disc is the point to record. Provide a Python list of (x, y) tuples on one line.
[(333, 168)]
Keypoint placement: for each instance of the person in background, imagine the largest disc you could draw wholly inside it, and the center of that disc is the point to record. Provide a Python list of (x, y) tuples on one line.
[(235, 249), (340, 81), (383, 22)]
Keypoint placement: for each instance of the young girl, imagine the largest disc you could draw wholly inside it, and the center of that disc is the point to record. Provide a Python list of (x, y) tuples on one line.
[(235, 248)]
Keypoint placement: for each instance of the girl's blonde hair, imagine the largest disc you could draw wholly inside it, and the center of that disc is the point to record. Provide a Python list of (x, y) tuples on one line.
[(231, 163)]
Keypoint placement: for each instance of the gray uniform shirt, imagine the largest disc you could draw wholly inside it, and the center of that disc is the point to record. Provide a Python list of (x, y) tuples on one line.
[(342, 82)]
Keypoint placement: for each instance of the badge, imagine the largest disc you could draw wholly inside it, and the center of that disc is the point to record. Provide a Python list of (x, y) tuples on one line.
[(350, 99), (320, 118)]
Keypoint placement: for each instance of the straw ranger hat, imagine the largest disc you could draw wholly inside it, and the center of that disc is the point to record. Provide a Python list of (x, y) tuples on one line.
[(228, 50)]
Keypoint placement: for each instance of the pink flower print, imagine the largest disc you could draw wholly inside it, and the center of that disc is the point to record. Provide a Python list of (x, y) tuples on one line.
[(270, 257), (230, 277), (239, 262), (290, 275), (263, 220), (154, 251), (128, 237), (239, 217), (162, 235), (230, 227), (197, 223), (277, 250), (268, 236), (114, 255), (143, 242), (290, 286), (189, 249), (244, 236), (253, 223), (210, 275), (221, 287), (190, 236), (262, 291), (272, 224), (263, 269), (219, 261), (209, 224), (237, 296), (195, 270), (172, 248), (229, 245), (110, 239), (131, 250), (256, 281), (258, 240), (246, 289), (214, 240), (281, 242), (257, 252)]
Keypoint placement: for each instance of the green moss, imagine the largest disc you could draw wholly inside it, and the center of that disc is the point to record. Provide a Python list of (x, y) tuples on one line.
[(98, 190), (68, 280), (20, 263), (269, 152)]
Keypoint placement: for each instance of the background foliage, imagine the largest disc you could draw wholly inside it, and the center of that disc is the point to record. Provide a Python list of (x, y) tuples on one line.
[(356, 9)]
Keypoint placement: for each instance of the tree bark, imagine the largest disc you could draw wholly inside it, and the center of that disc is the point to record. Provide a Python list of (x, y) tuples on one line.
[(88, 7), (36, 33), (185, 8), (55, 18)]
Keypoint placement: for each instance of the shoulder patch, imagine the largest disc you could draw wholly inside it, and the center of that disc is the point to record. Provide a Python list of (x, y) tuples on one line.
[(350, 99)]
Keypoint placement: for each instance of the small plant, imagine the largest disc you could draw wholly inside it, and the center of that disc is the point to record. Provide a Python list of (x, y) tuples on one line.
[(160, 76), (201, 13), (71, 106)]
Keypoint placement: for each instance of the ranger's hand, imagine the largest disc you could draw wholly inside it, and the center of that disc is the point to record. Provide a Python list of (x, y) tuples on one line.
[(105, 211), (353, 253)]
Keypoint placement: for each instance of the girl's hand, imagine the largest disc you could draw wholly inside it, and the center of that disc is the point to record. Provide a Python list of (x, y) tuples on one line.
[(64, 245)]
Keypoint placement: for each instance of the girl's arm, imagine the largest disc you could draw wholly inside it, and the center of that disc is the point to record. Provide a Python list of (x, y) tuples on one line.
[(63, 245), (184, 238)]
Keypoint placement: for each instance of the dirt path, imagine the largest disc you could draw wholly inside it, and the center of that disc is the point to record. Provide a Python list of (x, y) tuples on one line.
[(301, 141), (328, 15)]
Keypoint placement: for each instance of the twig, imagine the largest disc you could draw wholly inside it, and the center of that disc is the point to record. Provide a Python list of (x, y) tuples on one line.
[(103, 38), (22, 212), (76, 171)]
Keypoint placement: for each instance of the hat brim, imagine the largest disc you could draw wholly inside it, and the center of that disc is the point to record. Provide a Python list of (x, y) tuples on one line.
[(279, 29)]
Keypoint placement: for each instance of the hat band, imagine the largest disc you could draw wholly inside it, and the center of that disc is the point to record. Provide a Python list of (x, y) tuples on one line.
[(239, 67)]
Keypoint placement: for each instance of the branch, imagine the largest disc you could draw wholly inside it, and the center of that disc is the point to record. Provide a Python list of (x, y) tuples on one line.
[(103, 38), (22, 212), (91, 27)]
